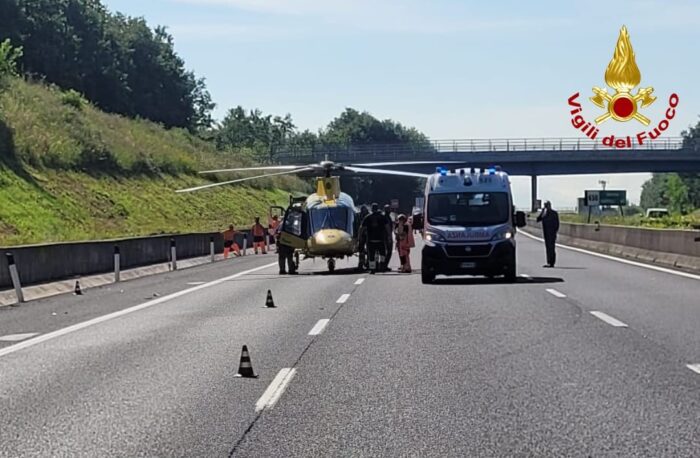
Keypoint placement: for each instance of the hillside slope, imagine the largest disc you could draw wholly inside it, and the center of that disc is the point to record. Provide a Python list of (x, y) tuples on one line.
[(71, 172)]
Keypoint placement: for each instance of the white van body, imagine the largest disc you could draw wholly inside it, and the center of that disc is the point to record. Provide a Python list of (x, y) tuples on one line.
[(469, 224)]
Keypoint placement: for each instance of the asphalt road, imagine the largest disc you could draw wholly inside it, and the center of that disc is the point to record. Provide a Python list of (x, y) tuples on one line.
[(593, 358)]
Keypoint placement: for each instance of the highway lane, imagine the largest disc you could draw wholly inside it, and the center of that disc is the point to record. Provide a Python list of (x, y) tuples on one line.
[(466, 367)]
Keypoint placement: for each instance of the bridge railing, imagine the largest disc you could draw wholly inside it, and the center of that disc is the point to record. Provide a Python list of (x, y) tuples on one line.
[(475, 145)]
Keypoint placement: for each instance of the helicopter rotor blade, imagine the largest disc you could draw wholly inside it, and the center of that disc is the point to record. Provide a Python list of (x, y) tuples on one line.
[(386, 172), (214, 185), (246, 169), (390, 164)]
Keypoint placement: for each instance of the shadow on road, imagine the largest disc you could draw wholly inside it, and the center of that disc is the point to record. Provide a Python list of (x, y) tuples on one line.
[(495, 281)]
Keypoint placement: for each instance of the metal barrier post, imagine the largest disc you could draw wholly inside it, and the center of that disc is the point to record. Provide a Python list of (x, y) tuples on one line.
[(211, 248), (173, 254), (117, 264), (245, 244), (15, 277)]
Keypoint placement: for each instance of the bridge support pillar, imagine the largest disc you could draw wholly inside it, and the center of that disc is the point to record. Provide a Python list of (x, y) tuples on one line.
[(533, 193)]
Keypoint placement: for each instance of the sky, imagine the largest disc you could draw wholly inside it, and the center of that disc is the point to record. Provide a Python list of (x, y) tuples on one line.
[(452, 69)]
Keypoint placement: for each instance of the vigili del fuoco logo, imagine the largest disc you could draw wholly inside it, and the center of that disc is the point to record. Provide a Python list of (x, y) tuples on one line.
[(623, 76)]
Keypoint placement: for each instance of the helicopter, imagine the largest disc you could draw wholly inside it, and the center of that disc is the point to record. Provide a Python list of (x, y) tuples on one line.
[(323, 224)]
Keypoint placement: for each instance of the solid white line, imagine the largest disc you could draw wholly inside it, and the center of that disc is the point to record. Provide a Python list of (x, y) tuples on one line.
[(76, 327), (526, 276), (556, 293), (196, 283), (616, 259), (360, 281), (275, 390), (17, 337), (343, 299), (318, 329), (608, 319), (694, 367)]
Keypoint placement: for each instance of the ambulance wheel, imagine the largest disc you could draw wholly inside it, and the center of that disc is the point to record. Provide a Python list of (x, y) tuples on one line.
[(331, 265), (511, 272), (427, 276)]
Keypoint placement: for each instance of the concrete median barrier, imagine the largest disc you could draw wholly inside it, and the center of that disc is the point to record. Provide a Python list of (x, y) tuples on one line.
[(666, 247)]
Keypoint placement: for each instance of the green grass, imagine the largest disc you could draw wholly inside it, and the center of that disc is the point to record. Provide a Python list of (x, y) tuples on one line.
[(673, 221), (71, 172)]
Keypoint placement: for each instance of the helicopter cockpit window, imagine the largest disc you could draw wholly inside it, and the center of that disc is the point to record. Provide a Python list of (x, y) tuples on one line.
[(330, 218), (293, 222)]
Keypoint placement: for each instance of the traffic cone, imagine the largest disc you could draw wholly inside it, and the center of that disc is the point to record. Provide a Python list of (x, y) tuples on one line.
[(245, 369), (269, 303), (78, 291)]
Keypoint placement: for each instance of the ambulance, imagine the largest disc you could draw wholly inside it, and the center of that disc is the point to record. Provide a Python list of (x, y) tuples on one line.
[(469, 224)]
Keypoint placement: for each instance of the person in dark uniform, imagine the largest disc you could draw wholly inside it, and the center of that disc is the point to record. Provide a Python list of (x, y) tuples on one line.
[(389, 238), (374, 227), (285, 254), (362, 263), (550, 226)]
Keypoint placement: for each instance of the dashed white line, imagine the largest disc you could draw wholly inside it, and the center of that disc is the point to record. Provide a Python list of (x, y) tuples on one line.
[(608, 319), (318, 329), (556, 293), (76, 327), (273, 392), (196, 283), (360, 281), (18, 337), (525, 276), (694, 367), (343, 299)]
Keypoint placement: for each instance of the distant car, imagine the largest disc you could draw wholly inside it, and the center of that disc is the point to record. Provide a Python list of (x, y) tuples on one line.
[(657, 213)]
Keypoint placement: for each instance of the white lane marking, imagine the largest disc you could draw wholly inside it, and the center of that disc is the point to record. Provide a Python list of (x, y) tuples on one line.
[(556, 293), (360, 281), (276, 389), (76, 327), (624, 261), (196, 283), (318, 329), (343, 299), (525, 276), (18, 337), (608, 319), (694, 367)]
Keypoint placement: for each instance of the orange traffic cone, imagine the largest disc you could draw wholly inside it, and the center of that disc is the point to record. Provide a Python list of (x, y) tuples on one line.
[(245, 369), (78, 291), (269, 303)]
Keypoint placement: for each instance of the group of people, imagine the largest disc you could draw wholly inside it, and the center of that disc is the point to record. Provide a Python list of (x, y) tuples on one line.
[(379, 233), (259, 233)]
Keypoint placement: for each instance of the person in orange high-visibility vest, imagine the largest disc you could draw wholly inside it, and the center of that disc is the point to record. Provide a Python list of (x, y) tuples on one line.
[(230, 242), (258, 231)]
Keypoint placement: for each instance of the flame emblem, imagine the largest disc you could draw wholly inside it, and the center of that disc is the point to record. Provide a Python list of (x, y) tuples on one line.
[(623, 75)]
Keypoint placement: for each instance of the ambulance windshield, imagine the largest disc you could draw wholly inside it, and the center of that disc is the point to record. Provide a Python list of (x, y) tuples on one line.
[(469, 209)]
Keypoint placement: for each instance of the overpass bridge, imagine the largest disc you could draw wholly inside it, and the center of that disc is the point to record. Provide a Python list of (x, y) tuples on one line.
[(526, 156)]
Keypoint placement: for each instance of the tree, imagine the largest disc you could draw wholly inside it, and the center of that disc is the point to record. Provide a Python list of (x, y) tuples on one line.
[(117, 62)]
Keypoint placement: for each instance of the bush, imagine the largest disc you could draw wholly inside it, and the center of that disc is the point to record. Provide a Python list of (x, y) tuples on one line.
[(9, 56), (73, 99)]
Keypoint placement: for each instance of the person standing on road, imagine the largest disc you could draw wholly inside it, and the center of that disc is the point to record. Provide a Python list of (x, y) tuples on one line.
[(550, 226), (285, 254), (230, 242), (375, 229), (389, 238), (404, 243), (258, 231), (362, 239)]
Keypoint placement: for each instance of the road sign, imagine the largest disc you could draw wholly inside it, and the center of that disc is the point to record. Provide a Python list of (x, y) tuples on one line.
[(594, 198)]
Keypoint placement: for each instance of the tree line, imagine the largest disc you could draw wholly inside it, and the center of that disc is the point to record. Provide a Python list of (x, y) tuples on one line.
[(117, 62), (679, 192)]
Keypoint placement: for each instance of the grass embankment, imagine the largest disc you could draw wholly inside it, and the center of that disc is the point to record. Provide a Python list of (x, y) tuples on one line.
[(71, 172), (691, 221)]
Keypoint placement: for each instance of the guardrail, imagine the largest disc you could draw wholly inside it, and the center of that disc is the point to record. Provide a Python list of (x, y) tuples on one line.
[(475, 146)]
